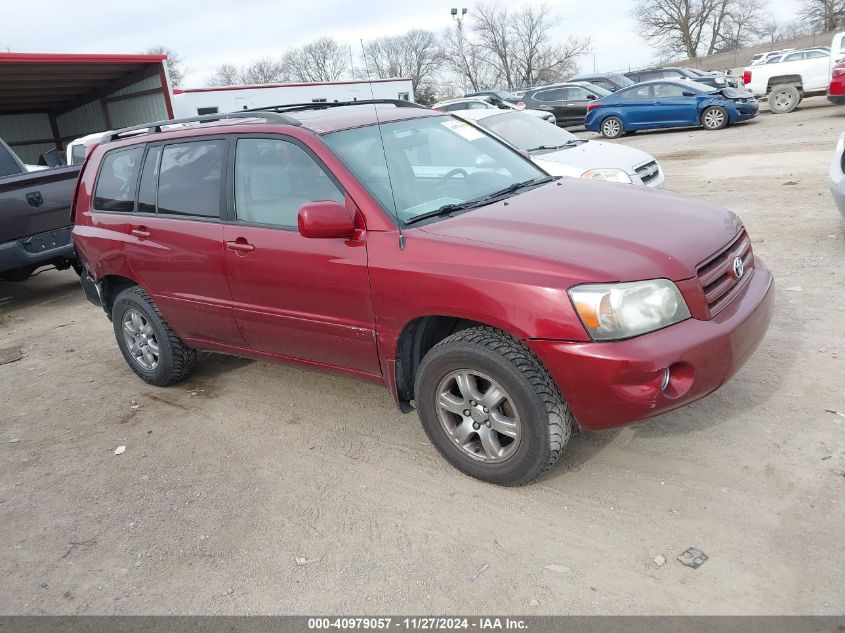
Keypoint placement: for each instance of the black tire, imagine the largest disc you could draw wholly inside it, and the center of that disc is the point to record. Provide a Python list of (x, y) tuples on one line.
[(612, 127), (715, 118), (784, 98), (545, 420), (175, 359)]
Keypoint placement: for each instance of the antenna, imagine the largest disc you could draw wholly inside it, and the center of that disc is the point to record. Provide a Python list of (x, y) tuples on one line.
[(383, 150)]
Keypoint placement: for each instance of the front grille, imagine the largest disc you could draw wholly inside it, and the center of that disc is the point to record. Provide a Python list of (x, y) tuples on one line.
[(716, 275), (648, 171)]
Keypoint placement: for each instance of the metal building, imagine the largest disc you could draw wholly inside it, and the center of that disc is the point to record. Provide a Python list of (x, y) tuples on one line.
[(47, 100), (194, 101)]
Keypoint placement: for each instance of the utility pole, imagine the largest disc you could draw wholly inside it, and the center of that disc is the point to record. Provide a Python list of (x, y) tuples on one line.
[(459, 19)]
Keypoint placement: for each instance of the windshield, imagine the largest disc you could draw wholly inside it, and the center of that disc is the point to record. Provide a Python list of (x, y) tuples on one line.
[(433, 162), (621, 80), (527, 132)]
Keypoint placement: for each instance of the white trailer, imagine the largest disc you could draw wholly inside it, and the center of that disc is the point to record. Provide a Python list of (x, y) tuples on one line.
[(194, 101)]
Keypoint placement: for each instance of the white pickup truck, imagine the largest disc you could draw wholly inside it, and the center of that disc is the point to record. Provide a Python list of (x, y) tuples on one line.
[(804, 73)]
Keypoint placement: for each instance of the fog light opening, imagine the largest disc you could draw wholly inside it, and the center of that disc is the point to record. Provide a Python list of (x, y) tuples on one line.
[(664, 379)]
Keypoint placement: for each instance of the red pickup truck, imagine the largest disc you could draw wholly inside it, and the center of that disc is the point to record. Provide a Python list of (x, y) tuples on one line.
[(403, 246)]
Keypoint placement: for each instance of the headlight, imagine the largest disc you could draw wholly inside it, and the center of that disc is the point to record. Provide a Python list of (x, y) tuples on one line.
[(616, 311), (611, 175)]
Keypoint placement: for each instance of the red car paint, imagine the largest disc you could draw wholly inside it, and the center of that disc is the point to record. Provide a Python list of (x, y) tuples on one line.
[(343, 304)]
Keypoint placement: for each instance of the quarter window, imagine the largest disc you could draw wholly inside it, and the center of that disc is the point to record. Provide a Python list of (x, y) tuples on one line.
[(149, 179), (274, 178), (190, 178), (118, 177)]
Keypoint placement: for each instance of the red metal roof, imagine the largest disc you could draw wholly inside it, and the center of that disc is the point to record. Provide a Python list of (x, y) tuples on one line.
[(53, 82)]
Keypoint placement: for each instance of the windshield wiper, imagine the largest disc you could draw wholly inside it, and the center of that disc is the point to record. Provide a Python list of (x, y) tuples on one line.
[(448, 209), (572, 143)]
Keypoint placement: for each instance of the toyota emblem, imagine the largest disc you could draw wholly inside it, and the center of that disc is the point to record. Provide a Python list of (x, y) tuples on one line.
[(738, 268)]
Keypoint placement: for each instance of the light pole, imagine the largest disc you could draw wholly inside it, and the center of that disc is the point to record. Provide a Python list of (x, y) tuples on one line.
[(459, 19)]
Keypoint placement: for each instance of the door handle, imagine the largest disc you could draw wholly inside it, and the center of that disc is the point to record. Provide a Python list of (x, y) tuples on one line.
[(240, 245), (140, 232)]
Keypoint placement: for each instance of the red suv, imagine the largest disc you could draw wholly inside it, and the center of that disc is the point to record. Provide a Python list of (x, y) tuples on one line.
[(406, 247)]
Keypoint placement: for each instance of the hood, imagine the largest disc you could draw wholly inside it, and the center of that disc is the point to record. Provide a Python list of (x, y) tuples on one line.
[(592, 155), (620, 232)]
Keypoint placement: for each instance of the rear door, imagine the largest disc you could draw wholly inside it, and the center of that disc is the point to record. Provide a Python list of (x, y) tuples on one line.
[(576, 104), (636, 106), (174, 237), (306, 299), (551, 100)]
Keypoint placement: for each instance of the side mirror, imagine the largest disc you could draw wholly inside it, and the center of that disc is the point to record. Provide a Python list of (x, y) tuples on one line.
[(591, 97), (687, 93), (324, 219)]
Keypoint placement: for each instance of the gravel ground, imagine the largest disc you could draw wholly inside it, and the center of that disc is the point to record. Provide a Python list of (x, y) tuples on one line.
[(258, 488)]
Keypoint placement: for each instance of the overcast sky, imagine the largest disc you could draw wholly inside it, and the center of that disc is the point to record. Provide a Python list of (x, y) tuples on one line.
[(211, 32)]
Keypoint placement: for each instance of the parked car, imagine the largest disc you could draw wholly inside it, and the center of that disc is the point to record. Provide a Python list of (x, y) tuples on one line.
[(792, 76), (561, 153), (504, 95), (491, 104), (662, 104), (683, 74), (34, 216), (836, 174), (567, 101), (609, 81), (409, 248), (836, 87), (762, 58)]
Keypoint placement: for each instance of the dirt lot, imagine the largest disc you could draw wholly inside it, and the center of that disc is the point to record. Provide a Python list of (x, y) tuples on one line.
[(230, 477)]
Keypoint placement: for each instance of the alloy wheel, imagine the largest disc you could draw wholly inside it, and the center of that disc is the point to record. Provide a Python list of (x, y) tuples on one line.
[(611, 127), (714, 118), (478, 415), (140, 340)]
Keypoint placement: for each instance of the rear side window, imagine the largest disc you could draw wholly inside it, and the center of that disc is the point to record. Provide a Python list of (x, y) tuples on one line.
[(191, 177), (555, 94), (576, 94), (118, 177), (149, 178), (639, 92)]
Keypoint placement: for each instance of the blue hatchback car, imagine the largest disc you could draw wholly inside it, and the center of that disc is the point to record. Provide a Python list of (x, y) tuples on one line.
[(661, 104)]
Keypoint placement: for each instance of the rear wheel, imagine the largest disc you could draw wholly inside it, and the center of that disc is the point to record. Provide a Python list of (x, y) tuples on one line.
[(147, 342), (612, 127), (491, 408), (714, 118), (784, 98)]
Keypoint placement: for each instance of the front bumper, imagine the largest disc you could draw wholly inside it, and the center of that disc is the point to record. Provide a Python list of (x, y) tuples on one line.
[(613, 384)]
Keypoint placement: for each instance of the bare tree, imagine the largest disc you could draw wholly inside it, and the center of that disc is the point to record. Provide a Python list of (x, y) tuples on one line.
[(265, 70), (469, 62), (319, 61), (742, 27), (175, 66), (695, 27), (520, 45), (416, 55), (225, 75), (824, 15)]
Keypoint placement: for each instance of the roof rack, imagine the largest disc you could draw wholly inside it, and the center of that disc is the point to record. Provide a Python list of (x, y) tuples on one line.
[(321, 105), (155, 127)]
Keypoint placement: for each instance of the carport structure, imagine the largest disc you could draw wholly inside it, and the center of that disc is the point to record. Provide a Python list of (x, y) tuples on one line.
[(47, 100)]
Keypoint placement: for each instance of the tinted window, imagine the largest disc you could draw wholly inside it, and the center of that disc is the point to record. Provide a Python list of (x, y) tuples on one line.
[(149, 179), (638, 92), (118, 178), (814, 54), (621, 80), (603, 83), (650, 75), (555, 94), (668, 90), (273, 179), (792, 57), (190, 178), (8, 165)]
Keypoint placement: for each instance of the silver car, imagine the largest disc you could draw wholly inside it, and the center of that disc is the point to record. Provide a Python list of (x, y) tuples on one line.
[(561, 153), (488, 105), (836, 175)]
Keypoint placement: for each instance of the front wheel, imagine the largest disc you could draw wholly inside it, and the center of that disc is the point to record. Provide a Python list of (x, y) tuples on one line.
[(714, 118), (491, 408), (612, 127)]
